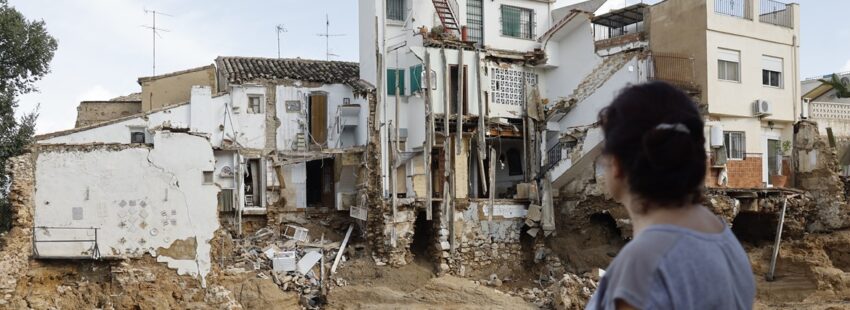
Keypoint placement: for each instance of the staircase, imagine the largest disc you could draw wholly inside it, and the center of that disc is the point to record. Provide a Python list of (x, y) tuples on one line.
[(447, 11)]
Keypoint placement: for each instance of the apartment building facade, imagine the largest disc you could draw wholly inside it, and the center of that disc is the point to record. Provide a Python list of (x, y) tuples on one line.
[(746, 56)]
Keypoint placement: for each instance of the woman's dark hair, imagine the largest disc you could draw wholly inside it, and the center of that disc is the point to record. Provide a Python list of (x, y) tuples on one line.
[(655, 131)]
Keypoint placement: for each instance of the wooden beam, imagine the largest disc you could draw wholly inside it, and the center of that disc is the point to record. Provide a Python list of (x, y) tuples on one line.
[(429, 139), (342, 247)]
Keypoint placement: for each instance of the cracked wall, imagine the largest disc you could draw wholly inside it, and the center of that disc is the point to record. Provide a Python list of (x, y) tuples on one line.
[(139, 198)]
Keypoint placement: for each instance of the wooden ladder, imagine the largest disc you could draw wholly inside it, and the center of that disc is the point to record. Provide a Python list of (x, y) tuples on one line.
[(447, 16)]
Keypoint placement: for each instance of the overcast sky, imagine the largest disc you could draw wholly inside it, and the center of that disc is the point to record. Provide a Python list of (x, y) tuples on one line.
[(103, 49)]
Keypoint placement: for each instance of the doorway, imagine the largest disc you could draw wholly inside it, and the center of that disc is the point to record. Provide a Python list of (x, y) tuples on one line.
[(253, 183), (320, 183), (453, 93), (318, 117)]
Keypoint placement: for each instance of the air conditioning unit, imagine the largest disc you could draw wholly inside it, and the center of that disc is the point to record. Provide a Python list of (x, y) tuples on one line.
[(762, 108)]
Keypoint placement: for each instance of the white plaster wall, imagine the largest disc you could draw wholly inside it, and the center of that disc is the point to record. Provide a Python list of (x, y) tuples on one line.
[(251, 128), (493, 37), (294, 123), (587, 111), (225, 159), (119, 132), (573, 51), (141, 200)]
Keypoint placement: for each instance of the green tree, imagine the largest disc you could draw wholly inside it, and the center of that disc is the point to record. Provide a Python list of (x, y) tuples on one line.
[(841, 89), (26, 50)]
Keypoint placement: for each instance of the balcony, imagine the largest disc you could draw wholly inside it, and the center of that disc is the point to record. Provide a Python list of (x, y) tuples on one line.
[(776, 13), (675, 69), (622, 28), (770, 11), (735, 8)]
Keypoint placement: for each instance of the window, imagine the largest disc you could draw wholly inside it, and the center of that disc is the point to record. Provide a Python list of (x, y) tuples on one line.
[(728, 65), (517, 22), (255, 104), (416, 78), (475, 21), (771, 72), (391, 81), (735, 143), (396, 9), (137, 137)]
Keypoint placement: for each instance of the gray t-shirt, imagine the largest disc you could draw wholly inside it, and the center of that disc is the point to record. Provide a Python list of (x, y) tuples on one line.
[(670, 267)]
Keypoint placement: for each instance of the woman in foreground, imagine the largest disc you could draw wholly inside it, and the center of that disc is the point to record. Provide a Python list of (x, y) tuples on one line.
[(682, 255)]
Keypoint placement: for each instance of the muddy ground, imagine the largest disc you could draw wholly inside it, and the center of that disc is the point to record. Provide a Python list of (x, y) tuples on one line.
[(812, 273)]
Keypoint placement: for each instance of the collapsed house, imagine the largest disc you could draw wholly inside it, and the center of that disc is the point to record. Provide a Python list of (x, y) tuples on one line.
[(284, 136)]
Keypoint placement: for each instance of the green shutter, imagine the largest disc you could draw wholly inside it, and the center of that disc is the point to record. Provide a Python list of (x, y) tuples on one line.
[(391, 82), (511, 21), (415, 78)]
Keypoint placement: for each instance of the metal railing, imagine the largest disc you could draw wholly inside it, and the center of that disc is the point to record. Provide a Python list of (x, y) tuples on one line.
[(94, 250), (776, 13), (602, 32), (553, 156), (674, 69), (736, 8), (475, 21), (517, 22)]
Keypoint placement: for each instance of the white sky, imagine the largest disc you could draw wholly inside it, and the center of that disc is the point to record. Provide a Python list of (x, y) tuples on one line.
[(103, 49)]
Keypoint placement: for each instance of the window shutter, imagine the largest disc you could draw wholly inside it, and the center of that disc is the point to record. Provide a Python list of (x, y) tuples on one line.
[(415, 78), (729, 55), (391, 82), (771, 63)]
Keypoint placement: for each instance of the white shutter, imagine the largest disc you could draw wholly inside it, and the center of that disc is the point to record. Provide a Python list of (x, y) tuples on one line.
[(729, 55), (771, 63)]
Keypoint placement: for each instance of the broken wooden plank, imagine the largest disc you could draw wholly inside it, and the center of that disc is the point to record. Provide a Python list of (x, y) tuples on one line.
[(342, 247)]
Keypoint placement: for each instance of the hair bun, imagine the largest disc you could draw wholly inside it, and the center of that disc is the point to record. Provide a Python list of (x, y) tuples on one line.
[(668, 148)]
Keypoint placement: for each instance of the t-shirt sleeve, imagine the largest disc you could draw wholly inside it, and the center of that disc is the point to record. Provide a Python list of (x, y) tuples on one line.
[(637, 279)]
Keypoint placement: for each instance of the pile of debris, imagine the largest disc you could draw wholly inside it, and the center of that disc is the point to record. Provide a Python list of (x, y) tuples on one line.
[(293, 261)]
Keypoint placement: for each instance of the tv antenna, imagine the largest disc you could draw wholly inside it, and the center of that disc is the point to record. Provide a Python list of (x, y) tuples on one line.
[(328, 36), (280, 29), (155, 32)]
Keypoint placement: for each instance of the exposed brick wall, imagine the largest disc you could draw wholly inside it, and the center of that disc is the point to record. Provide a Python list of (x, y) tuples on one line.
[(746, 173)]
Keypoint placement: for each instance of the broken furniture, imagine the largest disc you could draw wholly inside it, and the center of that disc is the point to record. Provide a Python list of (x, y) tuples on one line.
[(296, 233)]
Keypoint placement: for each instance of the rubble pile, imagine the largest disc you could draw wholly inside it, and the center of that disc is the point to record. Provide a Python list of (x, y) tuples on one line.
[(292, 261)]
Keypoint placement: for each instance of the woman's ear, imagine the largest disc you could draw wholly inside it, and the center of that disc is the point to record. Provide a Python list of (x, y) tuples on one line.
[(616, 168)]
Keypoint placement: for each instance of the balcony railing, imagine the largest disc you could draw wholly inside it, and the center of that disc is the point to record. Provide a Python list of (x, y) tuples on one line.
[(736, 8), (81, 238), (776, 13), (674, 69), (601, 32), (553, 156)]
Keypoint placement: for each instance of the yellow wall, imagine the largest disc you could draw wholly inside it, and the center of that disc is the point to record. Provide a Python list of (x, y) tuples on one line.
[(174, 88)]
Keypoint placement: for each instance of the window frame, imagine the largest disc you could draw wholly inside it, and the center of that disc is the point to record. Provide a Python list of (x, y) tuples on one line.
[(519, 33), (769, 65), (250, 109), (727, 141), (723, 64), (393, 18)]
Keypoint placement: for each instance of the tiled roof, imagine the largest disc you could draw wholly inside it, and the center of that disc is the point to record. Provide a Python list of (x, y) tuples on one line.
[(239, 70)]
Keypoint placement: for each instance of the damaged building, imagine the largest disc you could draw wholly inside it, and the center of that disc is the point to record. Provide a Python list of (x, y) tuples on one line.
[(284, 136), (466, 139)]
